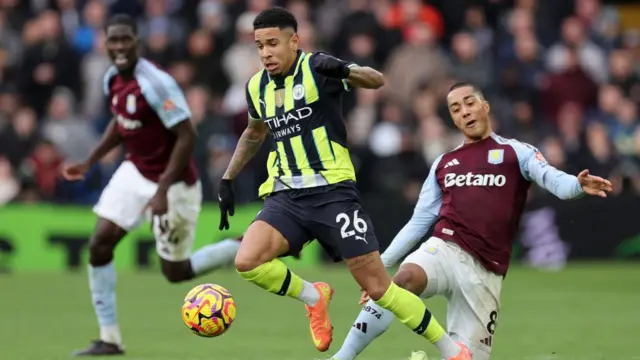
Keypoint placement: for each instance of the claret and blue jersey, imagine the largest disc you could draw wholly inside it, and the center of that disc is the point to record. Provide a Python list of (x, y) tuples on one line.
[(475, 195), (145, 108), (303, 111)]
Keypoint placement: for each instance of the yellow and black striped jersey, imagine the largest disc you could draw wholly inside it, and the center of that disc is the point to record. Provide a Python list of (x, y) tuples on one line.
[(303, 111)]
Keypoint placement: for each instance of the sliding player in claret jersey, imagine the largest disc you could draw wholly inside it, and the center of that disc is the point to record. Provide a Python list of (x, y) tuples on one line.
[(310, 193), (157, 180), (474, 197)]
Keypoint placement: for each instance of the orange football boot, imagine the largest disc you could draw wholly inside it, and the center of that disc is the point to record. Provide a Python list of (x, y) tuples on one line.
[(464, 353), (320, 325)]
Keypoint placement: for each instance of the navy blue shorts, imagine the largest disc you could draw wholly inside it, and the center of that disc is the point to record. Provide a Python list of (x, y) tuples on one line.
[(330, 214)]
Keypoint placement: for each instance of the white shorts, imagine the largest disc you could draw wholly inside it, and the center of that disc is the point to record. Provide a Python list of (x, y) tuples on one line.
[(473, 293), (124, 199)]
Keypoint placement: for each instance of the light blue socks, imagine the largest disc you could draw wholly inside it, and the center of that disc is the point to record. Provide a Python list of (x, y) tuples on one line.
[(102, 282), (213, 256)]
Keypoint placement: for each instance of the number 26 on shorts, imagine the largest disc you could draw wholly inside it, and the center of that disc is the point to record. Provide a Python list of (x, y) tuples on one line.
[(357, 228)]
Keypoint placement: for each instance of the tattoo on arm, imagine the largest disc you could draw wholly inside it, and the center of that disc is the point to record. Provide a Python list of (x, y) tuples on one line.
[(365, 77), (248, 145)]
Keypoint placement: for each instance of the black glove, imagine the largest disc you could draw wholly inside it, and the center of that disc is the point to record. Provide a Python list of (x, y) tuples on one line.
[(330, 66), (227, 203)]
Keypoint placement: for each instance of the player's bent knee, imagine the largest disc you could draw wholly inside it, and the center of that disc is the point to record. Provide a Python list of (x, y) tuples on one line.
[(412, 278), (370, 274), (260, 244), (101, 249), (244, 264), (104, 240)]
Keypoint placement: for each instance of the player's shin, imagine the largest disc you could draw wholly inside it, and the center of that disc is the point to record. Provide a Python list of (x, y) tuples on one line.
[(213, 256), (412, 312), (371, 323), (102, 281), (276, 278)]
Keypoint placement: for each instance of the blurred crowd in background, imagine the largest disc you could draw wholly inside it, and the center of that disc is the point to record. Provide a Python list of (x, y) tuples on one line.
[(561, 75)]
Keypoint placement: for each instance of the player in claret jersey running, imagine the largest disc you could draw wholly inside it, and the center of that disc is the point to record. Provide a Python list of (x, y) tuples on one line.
[(157, 180), (474, 196)]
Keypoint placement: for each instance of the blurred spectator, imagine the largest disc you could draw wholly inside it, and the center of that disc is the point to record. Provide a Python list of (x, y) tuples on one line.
[(48, 62), (569, 84), (574, 38), (158, 25), (19, 138), (623, 75), (11, 49), (9, 186), (94, 17), (94, 65), (561, 75), (525, 72), (468, 64), (362, 117), (42, 169), (206, 62), (69, 17), (241, 62), (477, 26), (408, 12), (72, 136), (402, 73), (602, 22), (624, 127)]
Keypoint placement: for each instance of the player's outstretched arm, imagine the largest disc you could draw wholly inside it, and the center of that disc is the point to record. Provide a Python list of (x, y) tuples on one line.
[(365, 77), (565, 186), (110, 139), (250, 142), (424, 216), (356, 76)]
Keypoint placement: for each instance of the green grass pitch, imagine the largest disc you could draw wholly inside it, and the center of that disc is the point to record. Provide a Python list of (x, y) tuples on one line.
[(586, 312)]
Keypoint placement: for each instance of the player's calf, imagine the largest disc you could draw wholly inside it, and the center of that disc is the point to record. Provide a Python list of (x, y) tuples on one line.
[(368, 270), (256, 261), (177, 271), (102, 282)]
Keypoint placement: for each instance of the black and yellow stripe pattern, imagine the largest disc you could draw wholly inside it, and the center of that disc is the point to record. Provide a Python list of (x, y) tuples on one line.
[(309, 136)]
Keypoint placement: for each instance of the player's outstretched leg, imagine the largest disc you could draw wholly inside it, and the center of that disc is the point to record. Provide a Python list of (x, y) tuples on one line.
[(371, 275), (257, 262), (203, 261), (214, 256), (374, 320), (102, 281)]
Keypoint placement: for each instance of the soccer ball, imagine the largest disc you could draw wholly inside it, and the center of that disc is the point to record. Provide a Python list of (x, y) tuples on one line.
[(208, 310)]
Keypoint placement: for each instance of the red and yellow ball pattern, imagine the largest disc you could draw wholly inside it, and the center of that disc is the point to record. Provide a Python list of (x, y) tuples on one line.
[(208, 310)]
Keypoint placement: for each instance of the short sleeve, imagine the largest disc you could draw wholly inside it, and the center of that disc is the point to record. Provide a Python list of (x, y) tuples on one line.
[(164, 96), (253, 113), (106, 80), (330, 85)]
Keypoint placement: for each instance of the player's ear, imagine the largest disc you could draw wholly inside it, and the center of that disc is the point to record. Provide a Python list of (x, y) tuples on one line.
[(294, 41), (486, 105)]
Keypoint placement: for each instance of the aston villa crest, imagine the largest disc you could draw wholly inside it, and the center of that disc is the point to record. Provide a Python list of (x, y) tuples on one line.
[(495, 156), (131, 103)]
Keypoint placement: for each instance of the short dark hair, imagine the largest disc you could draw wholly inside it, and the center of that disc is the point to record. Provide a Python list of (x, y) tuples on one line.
[(122, 19), (462, 84), (275, 17)]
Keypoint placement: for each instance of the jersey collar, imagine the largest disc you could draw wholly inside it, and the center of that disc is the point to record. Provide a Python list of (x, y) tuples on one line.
[(292, 71)]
